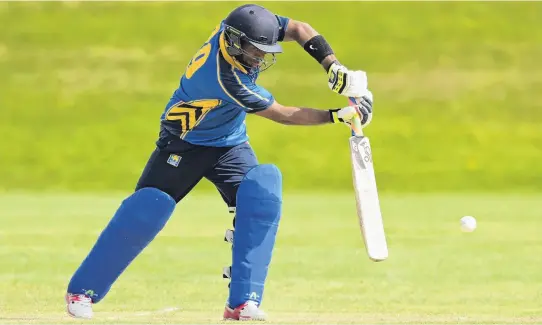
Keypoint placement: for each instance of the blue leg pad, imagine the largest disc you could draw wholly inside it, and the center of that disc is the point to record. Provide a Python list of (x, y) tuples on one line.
[(259, 205), (138, 220)]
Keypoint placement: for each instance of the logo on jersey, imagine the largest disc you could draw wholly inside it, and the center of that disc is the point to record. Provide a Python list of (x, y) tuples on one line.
[(174, 160)]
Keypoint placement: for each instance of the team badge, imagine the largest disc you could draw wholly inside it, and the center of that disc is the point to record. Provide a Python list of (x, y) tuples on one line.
[(174, 160)]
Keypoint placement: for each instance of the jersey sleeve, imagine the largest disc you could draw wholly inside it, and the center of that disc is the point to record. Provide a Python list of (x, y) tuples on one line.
[(283, 22), (259, 99), (245, 93)]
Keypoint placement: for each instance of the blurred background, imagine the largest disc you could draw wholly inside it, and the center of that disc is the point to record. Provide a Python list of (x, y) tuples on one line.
[(457, 87), (457, 130)]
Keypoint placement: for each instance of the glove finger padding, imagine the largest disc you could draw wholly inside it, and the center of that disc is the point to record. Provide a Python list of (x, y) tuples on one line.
[(364, 115), (357, 85), (365, 104), (367, 116), (346, 82), (361, 107)]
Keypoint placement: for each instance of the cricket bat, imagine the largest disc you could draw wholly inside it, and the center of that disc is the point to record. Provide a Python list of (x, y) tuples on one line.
[(366, 193)]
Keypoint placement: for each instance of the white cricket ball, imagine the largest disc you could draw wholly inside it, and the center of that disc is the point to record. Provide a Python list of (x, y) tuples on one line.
[(468, 223)]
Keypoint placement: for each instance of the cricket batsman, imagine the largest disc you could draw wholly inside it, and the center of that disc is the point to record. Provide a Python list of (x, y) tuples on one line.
[(203, 134)]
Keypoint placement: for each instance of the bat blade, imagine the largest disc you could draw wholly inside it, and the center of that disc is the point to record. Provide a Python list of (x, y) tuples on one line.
[(367, 200)]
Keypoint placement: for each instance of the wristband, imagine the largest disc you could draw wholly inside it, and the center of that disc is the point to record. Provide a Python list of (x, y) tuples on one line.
[(318, 48)]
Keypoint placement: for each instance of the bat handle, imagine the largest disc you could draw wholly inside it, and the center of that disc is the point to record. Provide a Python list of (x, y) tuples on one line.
[(357, 130), (356, 127)]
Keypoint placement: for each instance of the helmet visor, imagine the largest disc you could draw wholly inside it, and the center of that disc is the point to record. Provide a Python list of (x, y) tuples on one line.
[(275, 48)]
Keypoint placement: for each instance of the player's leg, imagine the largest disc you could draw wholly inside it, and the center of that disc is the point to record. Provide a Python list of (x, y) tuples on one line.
[(232, 166), (256, 193), (170, 173), (134, 225)]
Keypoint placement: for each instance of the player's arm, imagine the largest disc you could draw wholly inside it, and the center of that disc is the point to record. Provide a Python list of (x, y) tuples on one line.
[(341, 80), (302, 32), (241, 91), (292, 115)]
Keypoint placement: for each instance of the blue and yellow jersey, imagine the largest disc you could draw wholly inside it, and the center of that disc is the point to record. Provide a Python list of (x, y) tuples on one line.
[(215, 93)]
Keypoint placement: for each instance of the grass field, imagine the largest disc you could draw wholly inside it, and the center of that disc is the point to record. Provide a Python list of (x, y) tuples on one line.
[(457, 86), (320, 272)]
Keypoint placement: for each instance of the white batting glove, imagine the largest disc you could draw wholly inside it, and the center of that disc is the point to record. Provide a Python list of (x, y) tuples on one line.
[(346, 82), (362, 108)]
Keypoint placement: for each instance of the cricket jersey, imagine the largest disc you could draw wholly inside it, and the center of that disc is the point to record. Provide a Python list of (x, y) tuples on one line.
[(214, 95)]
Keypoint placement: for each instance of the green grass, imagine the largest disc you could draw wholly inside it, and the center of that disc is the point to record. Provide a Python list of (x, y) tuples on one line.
[(457, 89), (320, 271)]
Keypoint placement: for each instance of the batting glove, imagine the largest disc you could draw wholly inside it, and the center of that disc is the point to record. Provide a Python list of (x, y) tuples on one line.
[(346, 82), (361, 107)]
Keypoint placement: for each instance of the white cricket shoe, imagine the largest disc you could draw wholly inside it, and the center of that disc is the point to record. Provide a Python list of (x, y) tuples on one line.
[(247, 311), (79, 305)]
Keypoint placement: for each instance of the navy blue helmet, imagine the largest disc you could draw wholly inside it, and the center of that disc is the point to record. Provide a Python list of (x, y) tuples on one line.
[(254, 24)]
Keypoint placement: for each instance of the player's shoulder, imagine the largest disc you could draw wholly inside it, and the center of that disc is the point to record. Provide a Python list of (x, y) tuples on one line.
[(240, 86), (200, 75), (213, 72)]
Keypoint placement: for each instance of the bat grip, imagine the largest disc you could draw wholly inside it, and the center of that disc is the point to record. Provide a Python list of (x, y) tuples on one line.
[(357, 130)]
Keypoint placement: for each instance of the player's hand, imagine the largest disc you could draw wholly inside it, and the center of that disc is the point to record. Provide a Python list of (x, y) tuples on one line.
[(362, 108), (346, 82)]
